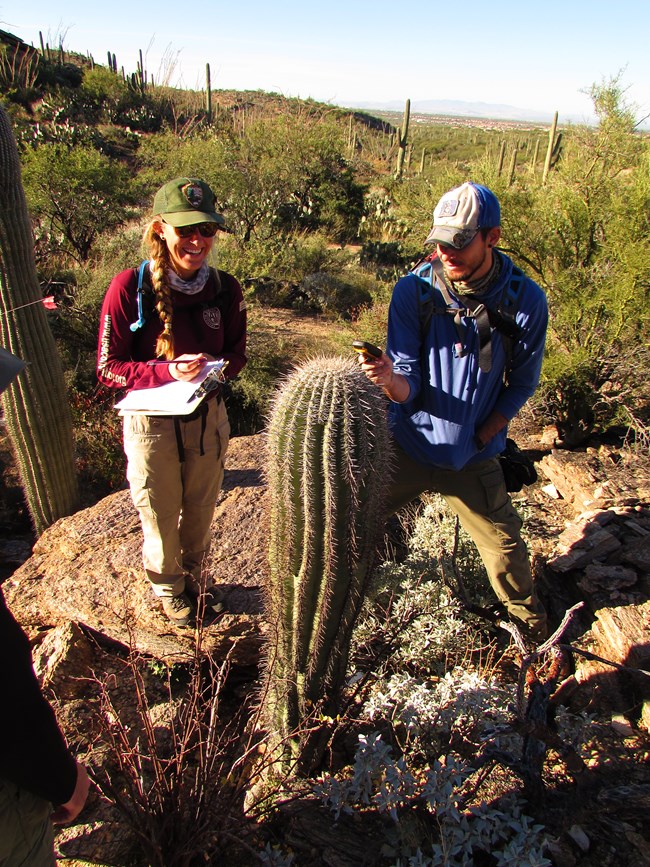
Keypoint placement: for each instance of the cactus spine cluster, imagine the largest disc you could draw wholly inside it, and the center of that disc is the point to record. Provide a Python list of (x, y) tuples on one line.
[(35, 406), (328, 471)]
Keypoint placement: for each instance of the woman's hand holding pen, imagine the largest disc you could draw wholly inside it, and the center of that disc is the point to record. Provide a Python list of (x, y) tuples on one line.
[(187, 367)]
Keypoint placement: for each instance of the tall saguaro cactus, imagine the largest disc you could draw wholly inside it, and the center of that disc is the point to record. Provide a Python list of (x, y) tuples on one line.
[(35, 406), (402, 137), (208, 93), (553, 150), (328, 471)]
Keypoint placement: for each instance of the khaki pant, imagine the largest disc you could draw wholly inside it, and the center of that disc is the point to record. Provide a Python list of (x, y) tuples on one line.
[(26, 834), (175, 499), (477, 494)]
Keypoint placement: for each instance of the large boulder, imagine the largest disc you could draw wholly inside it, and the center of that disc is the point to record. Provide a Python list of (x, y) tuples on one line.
[(87, 569)]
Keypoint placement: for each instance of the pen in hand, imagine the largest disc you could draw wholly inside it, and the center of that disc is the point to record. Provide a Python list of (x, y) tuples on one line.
[(155, 361)]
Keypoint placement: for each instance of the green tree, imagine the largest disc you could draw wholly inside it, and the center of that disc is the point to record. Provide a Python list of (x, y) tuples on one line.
[(278, 175), (76, 193), (105, 95), (585, 236)]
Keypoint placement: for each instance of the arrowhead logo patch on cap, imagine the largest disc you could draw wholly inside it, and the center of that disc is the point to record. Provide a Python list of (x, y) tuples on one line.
[(193, 193)]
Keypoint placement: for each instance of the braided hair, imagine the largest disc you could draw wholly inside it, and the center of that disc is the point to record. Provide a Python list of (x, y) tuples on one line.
[(160, 261)]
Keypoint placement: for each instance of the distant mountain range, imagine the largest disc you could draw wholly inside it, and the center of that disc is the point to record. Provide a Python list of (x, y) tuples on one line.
[(458, 108)]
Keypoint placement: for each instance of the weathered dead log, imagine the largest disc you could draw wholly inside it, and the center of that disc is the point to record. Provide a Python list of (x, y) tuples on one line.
[(623, 634), (587, 479)]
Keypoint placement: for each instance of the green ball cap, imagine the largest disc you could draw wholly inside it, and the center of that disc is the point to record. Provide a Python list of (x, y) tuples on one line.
[(185, 201)]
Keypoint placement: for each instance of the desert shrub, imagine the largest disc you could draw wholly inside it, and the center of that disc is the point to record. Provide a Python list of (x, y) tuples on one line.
[(105, 96), (413, 607), (55, 75), (371, 322), (326, 293), (421, 619), (19, 69), (100, 459), (76, 193), (432, 824), (438, 710), (433, 716), (279, 175), (337, 195), (171, 765), (581, 392)]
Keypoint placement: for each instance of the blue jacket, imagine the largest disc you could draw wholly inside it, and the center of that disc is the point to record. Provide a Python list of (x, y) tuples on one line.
[(437, 424)]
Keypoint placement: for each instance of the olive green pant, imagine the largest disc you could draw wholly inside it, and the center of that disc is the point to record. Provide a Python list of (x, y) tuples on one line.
[(477, 495), (26, 834), (175, 498)]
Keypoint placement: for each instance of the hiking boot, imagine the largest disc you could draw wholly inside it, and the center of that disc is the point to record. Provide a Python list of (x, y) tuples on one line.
[(180, 609), (210, 601), (215, 600)]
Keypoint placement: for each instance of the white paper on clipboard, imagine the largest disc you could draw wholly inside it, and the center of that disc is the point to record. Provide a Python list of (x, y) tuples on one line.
[(173, 398)]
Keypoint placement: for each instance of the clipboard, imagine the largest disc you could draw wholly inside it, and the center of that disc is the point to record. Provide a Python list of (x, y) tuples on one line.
[(173, 398)]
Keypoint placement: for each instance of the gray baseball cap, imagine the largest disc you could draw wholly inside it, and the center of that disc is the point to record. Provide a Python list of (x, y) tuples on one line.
[(460, 214)]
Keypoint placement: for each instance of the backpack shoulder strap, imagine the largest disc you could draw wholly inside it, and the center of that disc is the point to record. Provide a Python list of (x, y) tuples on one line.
[(431, 277), (510, 297), (505, 315), (140, 321), (221, 292)]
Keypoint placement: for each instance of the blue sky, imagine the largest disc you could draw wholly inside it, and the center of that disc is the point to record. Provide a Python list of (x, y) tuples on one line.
[(532, 56)]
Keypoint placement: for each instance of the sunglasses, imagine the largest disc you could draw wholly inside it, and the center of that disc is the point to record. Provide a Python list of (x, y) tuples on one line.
[(206, 230)]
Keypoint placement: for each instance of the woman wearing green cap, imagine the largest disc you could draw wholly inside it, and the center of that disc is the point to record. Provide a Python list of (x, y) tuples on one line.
[(175, 308)]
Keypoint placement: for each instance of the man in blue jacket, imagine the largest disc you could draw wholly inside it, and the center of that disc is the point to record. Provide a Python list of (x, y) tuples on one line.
[(455, 379)]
